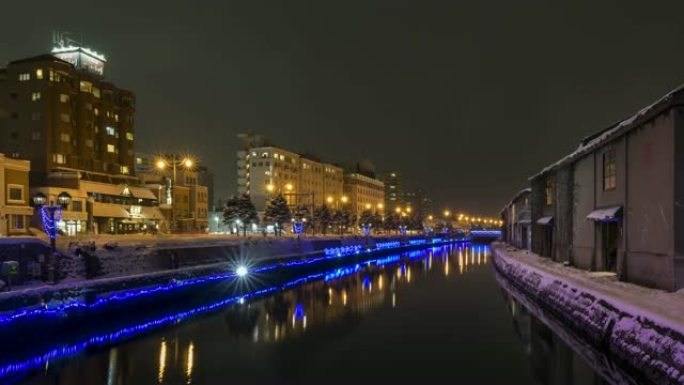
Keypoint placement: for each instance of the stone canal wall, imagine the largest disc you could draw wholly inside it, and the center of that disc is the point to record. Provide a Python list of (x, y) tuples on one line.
[(642, 328), (85, 260)]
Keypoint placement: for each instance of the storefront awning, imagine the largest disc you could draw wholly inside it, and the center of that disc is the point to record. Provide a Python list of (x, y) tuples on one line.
[(152, 213), (18, 210), (606, 214), (142, 192), (545, 221), (108, 210)]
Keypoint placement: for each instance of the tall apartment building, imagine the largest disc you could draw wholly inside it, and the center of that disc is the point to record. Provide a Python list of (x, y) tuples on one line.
[(364, 193), (58, 111), (394, 193), (265, 170), (419, 201)]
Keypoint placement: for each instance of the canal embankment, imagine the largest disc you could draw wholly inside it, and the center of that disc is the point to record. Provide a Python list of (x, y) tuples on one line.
[(642, 328), (161, 267)]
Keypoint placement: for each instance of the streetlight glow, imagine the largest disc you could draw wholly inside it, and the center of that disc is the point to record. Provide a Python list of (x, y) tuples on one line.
[(241, 271), (161, 164), (187, 163)]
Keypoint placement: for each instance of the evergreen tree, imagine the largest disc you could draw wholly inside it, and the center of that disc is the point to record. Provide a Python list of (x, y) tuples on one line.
[(322, 218), (366, 219), (240, 208), (278, 213), (377, 221), (343, 219), (391, 222)]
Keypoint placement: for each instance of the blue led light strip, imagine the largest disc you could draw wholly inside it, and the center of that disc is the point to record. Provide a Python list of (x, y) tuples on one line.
[(59, 311), (127, 332)]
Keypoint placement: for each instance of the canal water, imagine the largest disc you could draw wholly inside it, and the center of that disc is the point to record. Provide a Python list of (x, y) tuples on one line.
[(437, 314)]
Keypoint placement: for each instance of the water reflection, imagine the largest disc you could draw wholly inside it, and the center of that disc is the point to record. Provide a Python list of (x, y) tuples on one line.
[(176, 356)]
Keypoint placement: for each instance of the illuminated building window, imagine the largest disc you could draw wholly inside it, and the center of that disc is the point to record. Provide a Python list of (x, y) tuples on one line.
[(59, 158), (111, 131), (111, 148), (64, 98), (96, 111), (89, 143), (129, 135), (64, 138), (24, 77), (86, 86), (97, 129), (124, 170), (35, 96), (96, 92), (116, 117), (549, 193), (66, 118), (39, 74), (609, 172)]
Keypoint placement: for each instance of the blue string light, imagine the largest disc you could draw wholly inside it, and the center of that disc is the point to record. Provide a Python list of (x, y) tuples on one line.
[(38, 362), (63, 309)]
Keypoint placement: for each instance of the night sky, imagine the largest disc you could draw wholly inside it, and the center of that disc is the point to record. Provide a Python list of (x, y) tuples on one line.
[(466, 98)]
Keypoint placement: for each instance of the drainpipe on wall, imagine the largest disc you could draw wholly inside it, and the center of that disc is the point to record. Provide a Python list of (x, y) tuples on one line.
[(622, 267)]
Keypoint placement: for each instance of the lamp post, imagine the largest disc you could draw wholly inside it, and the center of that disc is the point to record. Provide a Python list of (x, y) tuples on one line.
[(162, 164), (50, 216)]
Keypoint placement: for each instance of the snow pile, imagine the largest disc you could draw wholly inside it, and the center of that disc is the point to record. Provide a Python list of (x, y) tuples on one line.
[(611, 317)]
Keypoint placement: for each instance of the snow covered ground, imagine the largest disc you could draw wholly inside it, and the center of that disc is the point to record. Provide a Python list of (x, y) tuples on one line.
[(640, 326)]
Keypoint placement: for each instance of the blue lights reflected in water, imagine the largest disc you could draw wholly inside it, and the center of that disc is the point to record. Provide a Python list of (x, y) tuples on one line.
[(112, 337)]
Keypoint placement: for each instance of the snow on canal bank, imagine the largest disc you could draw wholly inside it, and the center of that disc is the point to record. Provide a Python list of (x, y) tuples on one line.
[(644, 328)]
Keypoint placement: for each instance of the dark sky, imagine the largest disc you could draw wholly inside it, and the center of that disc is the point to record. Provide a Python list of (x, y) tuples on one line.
[(466, 98)]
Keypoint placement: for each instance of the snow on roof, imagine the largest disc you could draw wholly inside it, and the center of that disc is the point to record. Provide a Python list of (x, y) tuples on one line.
[(527, 190), (605, 214), (593, 141)]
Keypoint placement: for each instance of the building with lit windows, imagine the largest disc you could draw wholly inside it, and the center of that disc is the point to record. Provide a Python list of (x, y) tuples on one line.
[(77, 129), (265, 170), (185, 205), (15, 211), (58, 111), (394, 193), (364, 193)]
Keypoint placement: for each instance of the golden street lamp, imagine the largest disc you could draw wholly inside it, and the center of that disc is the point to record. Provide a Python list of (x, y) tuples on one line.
[(162, 164), (447, 213)]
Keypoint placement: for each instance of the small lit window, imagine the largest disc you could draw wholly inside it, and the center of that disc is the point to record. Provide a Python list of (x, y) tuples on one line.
[(111, 148), (124, 170), (609, 170), (64, 137), (59, 158), (64, 98), (97, 129), (96, 111), (15, 193), (549, 193), (24, 77), (39, 74), (111, 131), (129, 135), (86, 86), (66, 118), (116, 117), (17, 222), (89, 143), (35, 96), (96, 92)]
